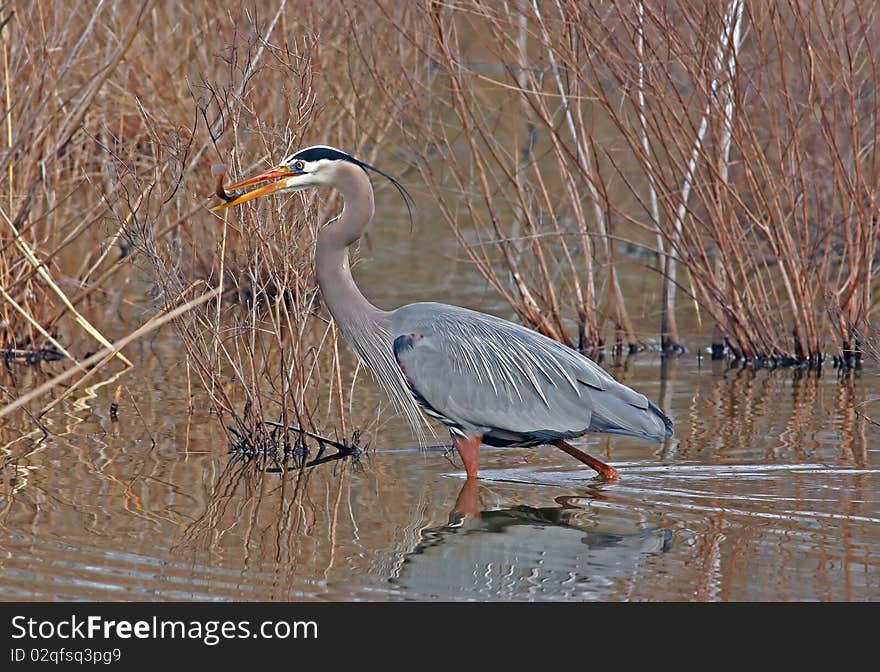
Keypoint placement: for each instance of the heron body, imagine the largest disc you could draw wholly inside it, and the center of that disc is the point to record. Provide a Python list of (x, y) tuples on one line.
[(484, 376), (486, 379)]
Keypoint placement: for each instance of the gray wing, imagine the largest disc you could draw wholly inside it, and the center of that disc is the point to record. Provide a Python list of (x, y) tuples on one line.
[(495, 377)]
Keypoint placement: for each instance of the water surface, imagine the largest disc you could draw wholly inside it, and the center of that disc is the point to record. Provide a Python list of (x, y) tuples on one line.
[(768, 491)]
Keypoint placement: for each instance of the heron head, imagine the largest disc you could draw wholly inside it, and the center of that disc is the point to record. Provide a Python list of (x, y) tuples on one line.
[(309, 167)]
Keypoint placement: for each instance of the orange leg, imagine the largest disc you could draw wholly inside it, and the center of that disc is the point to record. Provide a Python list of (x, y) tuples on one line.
[(469, 449), (607, 472)]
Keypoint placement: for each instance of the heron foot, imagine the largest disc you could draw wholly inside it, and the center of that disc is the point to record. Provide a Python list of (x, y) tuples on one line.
[(606, 472)]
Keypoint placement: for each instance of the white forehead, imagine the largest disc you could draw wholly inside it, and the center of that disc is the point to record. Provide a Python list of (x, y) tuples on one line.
[(316, 166)]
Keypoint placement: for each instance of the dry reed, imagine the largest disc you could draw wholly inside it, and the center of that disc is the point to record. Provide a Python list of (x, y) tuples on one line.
[(735, 139), (264, 353)]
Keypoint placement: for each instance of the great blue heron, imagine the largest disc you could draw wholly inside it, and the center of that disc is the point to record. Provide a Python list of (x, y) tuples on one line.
[(488, 380)]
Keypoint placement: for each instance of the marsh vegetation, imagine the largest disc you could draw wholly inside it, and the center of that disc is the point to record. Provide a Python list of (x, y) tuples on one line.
[(653, 184)]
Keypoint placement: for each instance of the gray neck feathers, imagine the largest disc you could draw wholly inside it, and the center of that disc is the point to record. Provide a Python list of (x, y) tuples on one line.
[(364, 326)]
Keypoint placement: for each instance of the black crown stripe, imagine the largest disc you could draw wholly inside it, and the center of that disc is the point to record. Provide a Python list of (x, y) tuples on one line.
[(318, 153)]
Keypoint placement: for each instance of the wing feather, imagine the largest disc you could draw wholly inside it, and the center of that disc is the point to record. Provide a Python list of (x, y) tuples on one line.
[(486, 374)]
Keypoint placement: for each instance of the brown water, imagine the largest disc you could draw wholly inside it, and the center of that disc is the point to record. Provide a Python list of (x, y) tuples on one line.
[(768, 491)]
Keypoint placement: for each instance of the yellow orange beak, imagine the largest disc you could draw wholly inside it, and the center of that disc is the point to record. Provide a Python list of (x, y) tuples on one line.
[(272, 174)]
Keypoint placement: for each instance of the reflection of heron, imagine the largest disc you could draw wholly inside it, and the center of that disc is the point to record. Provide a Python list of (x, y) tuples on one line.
[(488, 380), (527, 553)]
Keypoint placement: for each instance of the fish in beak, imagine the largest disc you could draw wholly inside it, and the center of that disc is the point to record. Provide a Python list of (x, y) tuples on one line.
[(274, 177)]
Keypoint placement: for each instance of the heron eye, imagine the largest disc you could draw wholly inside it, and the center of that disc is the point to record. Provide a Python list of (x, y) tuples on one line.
[(299, 165)]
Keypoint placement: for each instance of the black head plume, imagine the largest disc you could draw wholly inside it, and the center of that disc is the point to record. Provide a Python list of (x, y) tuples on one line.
[(407, 199)]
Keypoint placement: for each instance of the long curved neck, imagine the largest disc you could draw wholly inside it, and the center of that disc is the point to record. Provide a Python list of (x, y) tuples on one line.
[(341, 295), (366, 328)]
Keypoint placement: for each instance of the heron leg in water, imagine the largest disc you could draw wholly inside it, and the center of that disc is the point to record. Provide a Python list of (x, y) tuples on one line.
[(607, 472), (469, 449)]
